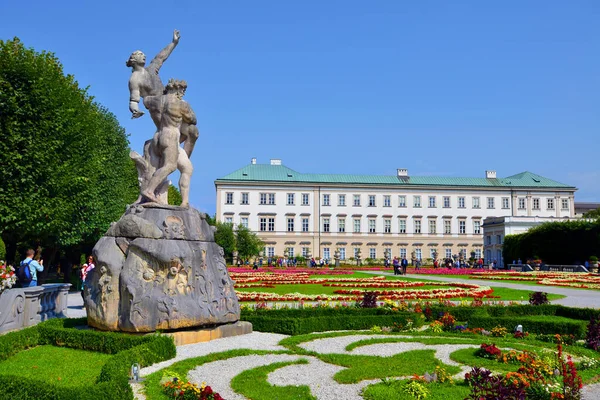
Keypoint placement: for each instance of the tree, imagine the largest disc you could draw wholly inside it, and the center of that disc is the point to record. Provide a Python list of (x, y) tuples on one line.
[(65, 173), (248, 244), (592, 214), (174, 197), (225, 238)]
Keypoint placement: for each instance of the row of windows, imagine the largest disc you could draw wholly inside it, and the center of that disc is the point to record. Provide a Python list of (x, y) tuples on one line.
[(402, 252), (267, 224), (269, 199)]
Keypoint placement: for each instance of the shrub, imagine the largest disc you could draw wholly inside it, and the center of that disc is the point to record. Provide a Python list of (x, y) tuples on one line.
[(415, 389), (489, 351), (485, 386), (14, 342), (592, 337), (499, 331), (295, 325), (538, 298), (177, 389), (369, 300), (448, 321)]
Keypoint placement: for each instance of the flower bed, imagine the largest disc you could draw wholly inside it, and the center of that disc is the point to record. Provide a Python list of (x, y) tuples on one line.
[(355, 295), (566, 279), (443, 271)]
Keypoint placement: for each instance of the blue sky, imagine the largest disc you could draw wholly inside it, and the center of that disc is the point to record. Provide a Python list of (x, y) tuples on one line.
[(438, 87)]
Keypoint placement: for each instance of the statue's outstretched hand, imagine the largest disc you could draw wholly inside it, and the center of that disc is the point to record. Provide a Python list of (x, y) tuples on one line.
[(176, 36), (136, 114)]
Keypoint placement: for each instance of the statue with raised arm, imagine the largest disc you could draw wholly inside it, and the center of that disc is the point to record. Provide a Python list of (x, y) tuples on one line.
[(144, 81)]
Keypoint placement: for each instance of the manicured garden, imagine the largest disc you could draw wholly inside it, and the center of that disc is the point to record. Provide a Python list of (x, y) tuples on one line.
[(401, 360), (280, 285), (401, 349)]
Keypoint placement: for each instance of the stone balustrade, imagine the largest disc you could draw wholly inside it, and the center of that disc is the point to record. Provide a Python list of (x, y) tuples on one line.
[(564, 268), (23, 307)]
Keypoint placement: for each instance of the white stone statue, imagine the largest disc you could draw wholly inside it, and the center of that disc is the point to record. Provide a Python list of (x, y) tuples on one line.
[(177, 123), (160, 156)]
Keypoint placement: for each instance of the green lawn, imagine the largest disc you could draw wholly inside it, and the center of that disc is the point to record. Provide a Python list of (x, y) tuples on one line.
[(372, 367), (394, 390), (60, 365)]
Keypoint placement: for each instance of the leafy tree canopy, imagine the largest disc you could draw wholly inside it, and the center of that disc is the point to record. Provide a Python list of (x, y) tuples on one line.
[(225, 237), (65, 172), (593, 214), (248, 244)]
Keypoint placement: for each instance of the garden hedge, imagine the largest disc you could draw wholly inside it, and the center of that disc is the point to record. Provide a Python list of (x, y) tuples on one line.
[(297, 322), (113, 381), (565, 242), (307, 320)]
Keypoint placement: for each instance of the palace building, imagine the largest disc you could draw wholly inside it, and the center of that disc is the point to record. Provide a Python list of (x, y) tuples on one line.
[(314, 215)]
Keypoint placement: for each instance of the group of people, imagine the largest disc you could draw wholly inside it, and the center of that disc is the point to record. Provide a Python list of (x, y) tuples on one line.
[(322, 262), (400, 266), (36, 265)]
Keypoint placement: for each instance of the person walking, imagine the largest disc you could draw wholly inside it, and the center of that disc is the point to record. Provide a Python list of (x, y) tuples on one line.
[(85, 270), (404, 265), (34, 267), (396, 264)]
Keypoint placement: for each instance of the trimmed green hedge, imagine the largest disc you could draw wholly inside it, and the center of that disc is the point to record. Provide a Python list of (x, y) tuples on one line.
[(113, 381), (301, 321), (577, 328), (297, 325)]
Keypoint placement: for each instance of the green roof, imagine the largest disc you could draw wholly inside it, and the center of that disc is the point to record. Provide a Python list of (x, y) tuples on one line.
[(281, 173)]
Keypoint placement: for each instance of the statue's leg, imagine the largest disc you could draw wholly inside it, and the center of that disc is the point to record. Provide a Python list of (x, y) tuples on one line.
[(185, 168), (190, 134), (168, 139)]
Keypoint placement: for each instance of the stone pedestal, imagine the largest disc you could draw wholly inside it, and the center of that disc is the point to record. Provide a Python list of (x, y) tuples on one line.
[(207, 334), (159, 267)]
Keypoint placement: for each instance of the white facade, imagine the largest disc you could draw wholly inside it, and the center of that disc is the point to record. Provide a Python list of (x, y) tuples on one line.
[(320, 217)]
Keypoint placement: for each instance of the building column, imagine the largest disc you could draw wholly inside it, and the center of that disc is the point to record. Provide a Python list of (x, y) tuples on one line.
[(528, 200), (557, 205)]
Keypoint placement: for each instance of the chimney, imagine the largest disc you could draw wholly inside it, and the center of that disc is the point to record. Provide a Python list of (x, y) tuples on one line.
[(253, 160), (275, 161), (402, 172), (490, 174)]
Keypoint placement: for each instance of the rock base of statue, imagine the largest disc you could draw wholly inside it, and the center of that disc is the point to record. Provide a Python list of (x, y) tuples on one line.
[(159, 267)]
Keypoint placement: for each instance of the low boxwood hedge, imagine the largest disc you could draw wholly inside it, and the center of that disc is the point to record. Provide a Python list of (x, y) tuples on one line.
[(297, 325), (293, 321), (575, 327), (113, 381)]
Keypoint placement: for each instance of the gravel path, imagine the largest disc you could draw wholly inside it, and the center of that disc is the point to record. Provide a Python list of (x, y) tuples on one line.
[(75, 307), (338, 345), (318, 376), (218, 374), (251, 341)]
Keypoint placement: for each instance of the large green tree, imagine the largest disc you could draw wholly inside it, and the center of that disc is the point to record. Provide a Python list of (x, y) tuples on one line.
[(248, 243), (65, 173), (225, 237)]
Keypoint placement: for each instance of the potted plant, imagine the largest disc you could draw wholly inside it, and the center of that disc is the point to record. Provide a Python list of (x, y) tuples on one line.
[(8, 277)]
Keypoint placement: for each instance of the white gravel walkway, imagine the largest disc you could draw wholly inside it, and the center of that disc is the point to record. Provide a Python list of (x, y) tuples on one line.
[(251, 341), (218, 374), (318, 376), (338, 345)]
